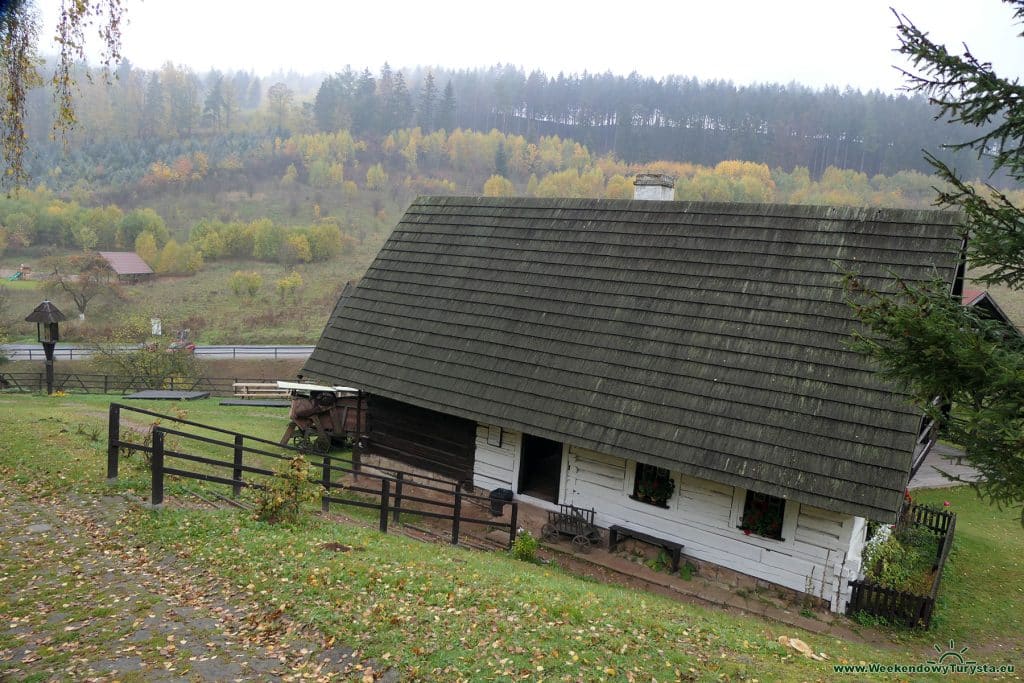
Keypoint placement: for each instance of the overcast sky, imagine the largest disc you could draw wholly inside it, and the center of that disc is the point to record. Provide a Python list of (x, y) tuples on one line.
[(814, 42)]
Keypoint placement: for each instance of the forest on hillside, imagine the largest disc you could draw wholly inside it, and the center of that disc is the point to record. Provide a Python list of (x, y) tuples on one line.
[(277, 190), (138, 117), (187, 168)]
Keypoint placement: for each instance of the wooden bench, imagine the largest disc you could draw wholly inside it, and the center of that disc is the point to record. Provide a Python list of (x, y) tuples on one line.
[(617, 534), (258, 390)]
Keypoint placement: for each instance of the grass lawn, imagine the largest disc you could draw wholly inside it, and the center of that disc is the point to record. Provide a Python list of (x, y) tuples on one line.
[(437, 612), (981, 600), (21, 285)]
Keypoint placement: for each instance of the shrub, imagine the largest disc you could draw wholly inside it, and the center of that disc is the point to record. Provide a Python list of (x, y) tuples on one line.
[(151, 366), (245, 284), (281, 500), (288, 287), (525, 546), (131, 439), (903, 560)]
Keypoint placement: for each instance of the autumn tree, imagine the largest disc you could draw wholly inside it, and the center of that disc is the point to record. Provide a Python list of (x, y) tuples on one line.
[(324, 242), (498, 186), (288, 287), (245, 284), (145, 247), (19, 33), (182, 90), (295, 249), (376, 178), (268, 239), (921, 336), (139, 221), (83, 277)]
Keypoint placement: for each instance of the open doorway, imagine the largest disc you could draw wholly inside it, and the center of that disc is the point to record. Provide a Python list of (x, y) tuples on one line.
[(540, 468)]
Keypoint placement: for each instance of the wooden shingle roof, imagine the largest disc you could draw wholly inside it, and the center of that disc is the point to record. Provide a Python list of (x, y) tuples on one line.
[(705, 338)]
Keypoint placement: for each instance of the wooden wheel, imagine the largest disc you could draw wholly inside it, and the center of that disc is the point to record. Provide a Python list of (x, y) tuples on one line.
[(548, 532), (581, 543), (302, 442)]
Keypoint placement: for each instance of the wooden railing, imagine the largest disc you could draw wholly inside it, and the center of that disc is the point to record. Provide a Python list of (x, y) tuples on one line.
[(900, 607), (390, 492)]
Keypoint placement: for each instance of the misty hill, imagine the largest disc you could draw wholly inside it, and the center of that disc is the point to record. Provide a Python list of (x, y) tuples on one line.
[(142, 117)]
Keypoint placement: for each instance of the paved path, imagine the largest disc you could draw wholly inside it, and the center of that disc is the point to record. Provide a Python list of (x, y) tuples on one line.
[(945, 458), (80, 605)]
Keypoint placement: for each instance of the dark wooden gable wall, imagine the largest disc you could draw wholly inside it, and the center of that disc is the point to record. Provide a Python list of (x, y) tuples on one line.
[(706, 338)]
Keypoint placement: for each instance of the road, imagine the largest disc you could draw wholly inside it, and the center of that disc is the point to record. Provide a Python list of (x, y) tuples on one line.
[(65, 352)]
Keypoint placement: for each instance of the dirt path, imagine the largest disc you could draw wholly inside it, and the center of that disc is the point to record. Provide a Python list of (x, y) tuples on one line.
[(78, 604)]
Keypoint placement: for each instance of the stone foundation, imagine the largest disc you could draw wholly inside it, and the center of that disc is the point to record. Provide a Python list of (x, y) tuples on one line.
[(729, 578)]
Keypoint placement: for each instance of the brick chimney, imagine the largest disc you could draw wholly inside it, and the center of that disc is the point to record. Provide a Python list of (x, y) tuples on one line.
[(656, 186)]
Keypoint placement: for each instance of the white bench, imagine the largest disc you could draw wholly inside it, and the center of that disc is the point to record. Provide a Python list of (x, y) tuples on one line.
[(259, 390)]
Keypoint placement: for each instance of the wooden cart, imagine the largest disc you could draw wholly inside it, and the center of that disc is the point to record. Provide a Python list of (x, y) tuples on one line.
[(320, 416), (577, 523)]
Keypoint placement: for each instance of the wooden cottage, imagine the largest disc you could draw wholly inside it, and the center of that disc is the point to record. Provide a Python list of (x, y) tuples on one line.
[(680, 367)]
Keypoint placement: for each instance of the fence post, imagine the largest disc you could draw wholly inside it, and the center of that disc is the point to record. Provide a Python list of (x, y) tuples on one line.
[(113, 440), (512, 524), (398, 497), (105, 377), (325, 503), (157, 466), (456, 514), (385, 489), (236, 473)]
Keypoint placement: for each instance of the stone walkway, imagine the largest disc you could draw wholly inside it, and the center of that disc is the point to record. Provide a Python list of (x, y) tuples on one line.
[(78, 605)]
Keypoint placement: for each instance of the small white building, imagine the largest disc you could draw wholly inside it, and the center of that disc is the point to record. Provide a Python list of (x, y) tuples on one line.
[(682, 368)]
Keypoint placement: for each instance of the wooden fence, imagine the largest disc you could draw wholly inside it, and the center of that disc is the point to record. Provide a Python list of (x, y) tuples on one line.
[(94, 383), (899, 607), (390, 492)]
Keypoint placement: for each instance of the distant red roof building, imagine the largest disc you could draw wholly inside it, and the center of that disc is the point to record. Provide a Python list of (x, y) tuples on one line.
[(971, 296), (128, 265), (982, 300)]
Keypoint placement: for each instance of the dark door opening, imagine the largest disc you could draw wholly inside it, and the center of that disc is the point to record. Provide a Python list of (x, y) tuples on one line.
[(540, 468)]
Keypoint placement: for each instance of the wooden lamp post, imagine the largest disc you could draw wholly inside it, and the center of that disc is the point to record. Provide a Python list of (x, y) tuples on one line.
[(46, 316)]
